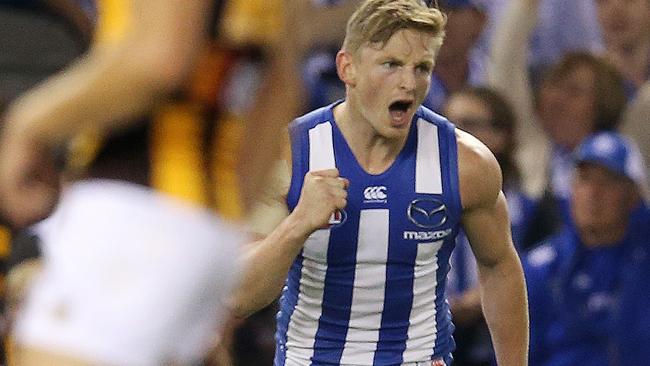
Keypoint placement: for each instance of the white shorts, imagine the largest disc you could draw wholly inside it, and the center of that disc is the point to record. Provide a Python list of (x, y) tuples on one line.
[(130, 277)]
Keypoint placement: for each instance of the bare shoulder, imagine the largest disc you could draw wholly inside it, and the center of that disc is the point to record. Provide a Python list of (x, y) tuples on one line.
[(479, 173)]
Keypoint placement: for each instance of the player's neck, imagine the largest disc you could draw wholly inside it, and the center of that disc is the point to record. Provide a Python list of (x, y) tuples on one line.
[(374, 153)]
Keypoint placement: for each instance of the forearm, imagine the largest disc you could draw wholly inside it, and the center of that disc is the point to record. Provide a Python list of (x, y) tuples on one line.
[(266, 266), (506, 310), (75, 101), (119, 78)]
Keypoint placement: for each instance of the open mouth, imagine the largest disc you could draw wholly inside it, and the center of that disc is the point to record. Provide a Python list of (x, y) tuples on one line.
[(400, 106), (398, 112)]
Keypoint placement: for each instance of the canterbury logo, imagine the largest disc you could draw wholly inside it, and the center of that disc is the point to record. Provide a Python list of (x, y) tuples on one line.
[(376, 193)]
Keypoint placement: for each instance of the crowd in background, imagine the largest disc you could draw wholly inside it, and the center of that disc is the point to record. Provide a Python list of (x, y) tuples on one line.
[(560, 93)]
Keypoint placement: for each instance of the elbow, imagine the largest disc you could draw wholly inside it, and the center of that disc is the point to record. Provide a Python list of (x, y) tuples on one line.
[(243, 308), (240, 312), (237, 305)]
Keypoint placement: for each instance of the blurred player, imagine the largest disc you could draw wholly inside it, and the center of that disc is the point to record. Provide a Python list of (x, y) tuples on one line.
[(133, 274)]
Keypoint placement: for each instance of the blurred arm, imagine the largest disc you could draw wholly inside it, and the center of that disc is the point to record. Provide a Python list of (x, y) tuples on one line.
[(119, 78), (509, 56), (508, 73), (141, 55), (636, 124)]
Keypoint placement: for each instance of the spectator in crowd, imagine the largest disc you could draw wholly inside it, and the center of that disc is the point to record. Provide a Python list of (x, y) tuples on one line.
[(588, 287), (457, 65), (580, 94), (625, 29), (563, 26), (626, 33), (485, 114)]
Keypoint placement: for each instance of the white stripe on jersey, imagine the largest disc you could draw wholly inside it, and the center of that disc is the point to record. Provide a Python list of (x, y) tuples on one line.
[(321, 147), (428, 175), (422, 332), (368, 292), (303, 325), (301, 333)]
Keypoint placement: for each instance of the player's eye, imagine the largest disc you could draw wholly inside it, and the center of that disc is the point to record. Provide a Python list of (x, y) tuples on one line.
[(390, 65)]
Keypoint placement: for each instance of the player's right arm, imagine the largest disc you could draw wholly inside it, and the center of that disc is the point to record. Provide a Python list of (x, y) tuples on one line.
[(268, 260)]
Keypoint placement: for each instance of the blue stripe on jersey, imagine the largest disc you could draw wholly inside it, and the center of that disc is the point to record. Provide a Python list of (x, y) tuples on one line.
[(290, 299), (445, 343), (299, 134), (337, 296), (447, 140), (299, 162), (398, 300)]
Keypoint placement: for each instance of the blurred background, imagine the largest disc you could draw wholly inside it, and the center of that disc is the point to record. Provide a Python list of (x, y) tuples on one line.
[(530, 78)]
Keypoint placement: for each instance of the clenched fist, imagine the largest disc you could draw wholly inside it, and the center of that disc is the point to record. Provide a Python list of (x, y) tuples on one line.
[(323, 192)]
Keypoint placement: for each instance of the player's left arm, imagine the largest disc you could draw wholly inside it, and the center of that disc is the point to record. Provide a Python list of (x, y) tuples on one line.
[(486, 223)]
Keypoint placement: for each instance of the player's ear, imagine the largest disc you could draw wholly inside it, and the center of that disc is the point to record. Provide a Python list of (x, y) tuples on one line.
[(345, 67)]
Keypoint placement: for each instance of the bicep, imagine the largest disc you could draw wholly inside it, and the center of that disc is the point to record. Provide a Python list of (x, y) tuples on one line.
[(485, 214), (271, 207), (488, 229)]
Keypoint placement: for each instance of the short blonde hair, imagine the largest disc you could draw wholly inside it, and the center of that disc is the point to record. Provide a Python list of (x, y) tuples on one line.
[(375, 21)]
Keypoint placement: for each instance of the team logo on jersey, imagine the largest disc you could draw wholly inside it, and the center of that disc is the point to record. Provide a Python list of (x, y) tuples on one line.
[(427, 213), (337, 218), (375, 194)]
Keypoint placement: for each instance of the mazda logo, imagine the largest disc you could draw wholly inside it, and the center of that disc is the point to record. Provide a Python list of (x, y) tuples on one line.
[(427, 213)]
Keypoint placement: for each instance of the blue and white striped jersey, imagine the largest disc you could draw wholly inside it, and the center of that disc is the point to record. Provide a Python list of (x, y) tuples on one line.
[(370, 290)]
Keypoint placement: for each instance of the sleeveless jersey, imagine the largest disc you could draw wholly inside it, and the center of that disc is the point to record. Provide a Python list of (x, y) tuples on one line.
[(370, 289)]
